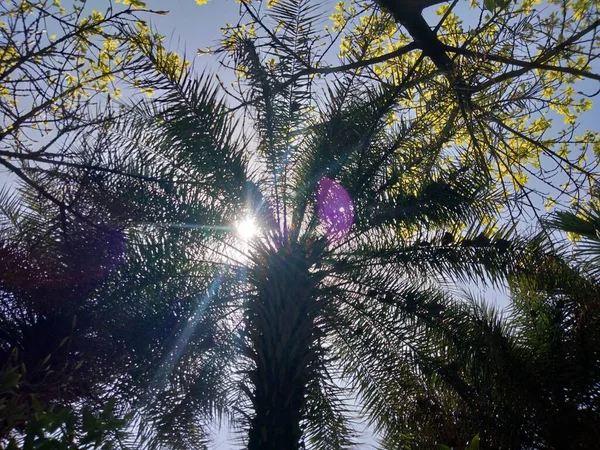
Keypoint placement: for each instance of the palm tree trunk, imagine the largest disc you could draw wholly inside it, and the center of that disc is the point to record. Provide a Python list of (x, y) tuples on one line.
[(282, 335)]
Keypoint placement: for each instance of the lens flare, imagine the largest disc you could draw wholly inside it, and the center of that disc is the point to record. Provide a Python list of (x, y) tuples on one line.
[(335, 208), (247, 229)]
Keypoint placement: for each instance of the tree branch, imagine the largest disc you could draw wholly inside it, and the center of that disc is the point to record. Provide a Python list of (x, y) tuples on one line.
[(529, 65)]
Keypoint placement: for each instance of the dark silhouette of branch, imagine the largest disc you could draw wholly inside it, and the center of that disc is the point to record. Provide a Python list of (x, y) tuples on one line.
[(350, 66), (337, 69), (409, 15), (537, 63), (44, 193), (40, 159)]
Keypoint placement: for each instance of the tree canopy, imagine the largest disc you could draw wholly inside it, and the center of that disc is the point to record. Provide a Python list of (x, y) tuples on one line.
[(499, 89), (383, 159)]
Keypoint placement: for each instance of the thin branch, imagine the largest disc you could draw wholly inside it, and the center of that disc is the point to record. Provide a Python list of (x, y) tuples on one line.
[(44, 193), (350, 66), (529, 65), (539, 62)]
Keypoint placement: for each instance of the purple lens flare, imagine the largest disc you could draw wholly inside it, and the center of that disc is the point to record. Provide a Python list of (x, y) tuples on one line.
[(335, 209)]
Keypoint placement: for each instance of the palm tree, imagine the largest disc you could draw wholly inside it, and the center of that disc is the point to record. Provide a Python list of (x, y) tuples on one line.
[(340, 292), (338, 301), (530, 379)]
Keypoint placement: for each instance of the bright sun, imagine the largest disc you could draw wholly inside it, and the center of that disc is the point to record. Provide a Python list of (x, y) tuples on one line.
[(247, 228)]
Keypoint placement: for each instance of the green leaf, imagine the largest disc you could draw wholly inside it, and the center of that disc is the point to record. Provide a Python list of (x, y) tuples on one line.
[(37, 407), (88, 421), (474, 444)]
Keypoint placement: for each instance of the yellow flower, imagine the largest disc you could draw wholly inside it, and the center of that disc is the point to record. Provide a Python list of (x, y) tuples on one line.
[(148, 91), (135, 4), (97, 16)]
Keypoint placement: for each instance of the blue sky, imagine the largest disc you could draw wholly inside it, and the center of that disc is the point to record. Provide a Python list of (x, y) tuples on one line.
[(190, 24)]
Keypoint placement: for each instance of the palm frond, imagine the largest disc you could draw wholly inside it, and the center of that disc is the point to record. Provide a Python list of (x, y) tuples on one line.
[(479, 254), (339, 140), (328, 425), (585, 225)]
